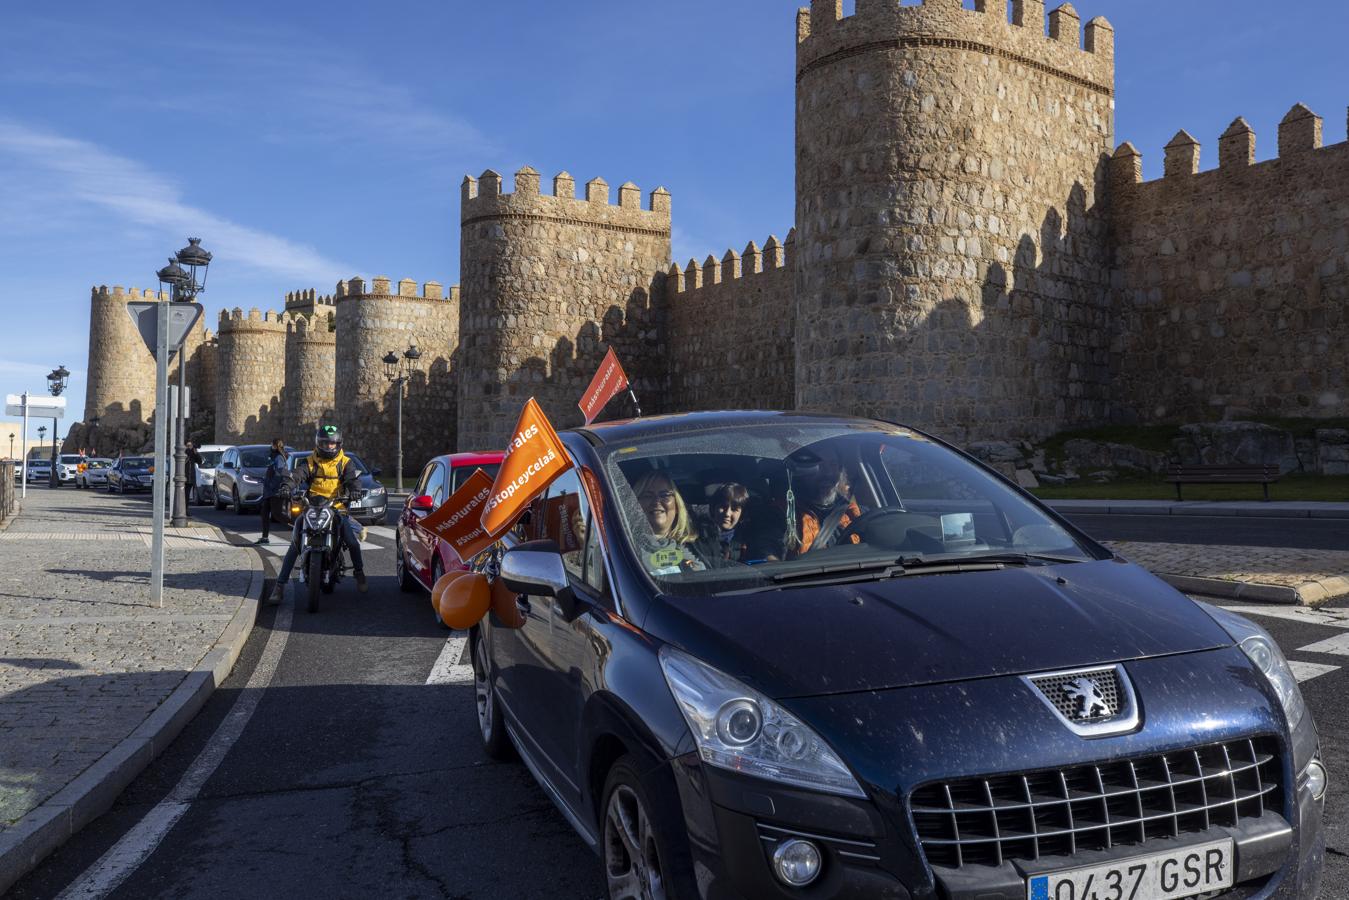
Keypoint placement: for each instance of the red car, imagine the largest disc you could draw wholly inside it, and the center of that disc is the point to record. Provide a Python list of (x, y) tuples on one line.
[(422, 557)]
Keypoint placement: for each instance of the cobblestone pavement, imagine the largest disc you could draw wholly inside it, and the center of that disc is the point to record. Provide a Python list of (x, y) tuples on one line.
[(1317, 575), (84, 654)]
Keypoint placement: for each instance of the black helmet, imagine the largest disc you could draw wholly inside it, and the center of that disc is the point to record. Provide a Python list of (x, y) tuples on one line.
[(328, 441)]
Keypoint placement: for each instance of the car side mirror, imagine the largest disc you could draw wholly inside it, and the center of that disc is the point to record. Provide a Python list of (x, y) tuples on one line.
[(423, 504), (376, 472), (535, 567)]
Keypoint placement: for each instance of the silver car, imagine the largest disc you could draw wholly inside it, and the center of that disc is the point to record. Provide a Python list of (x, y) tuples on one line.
[(95, 474)]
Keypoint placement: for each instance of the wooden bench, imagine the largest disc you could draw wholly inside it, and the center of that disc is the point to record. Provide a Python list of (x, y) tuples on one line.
[(1234, 474)]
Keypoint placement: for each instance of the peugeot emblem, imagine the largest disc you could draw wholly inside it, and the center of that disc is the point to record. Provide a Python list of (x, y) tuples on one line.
[(1090, 702)]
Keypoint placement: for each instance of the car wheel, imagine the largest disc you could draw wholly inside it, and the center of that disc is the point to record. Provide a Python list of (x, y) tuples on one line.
[(121, 488), (238, 507), (219, 502), (406, 582), (436, 572), (496, 743), (644, 849)]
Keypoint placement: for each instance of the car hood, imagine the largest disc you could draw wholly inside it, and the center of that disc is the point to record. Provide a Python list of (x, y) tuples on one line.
[(929, 629)]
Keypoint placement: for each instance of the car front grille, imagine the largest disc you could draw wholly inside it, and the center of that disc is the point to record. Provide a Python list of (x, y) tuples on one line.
[(1059, 812)]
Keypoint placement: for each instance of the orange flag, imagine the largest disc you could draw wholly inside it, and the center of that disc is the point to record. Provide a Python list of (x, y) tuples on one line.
[(534, 457), (458, 521), (607, 383)]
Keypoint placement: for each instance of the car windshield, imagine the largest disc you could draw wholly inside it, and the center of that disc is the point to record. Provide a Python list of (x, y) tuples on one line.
[(210, 458), (755, 507), (137, 462), (72, 459), (255, 459), (98, 463)]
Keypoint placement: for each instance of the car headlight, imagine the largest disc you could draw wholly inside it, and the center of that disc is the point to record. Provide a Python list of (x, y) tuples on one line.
[(249, 479), (1257, 644), (739, 729)]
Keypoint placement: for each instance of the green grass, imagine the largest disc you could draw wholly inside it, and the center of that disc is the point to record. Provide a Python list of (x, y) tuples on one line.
[(1326, 488)]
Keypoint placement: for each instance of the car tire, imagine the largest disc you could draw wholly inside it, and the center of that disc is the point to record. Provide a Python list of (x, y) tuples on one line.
[(238, 507), (643, 844), (407, 582), (438, 572), (496, 743), (218, 502)]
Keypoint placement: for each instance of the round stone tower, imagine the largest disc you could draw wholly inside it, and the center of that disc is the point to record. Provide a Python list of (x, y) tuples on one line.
[(311, 373), (370, 323), (121, 381), (951, 254), (250, 377)]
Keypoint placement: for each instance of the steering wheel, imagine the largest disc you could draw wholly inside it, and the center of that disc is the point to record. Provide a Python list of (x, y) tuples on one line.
[(866, 520)]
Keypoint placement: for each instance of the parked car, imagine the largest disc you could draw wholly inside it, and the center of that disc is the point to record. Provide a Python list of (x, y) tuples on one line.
[(203, 491), (68, 466), (95, 474), (421, 558), (131, 473), (369, 508), (239, 477), (906, 677), (39, 471)]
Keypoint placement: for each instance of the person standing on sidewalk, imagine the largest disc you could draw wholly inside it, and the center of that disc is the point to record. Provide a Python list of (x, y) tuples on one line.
[(271, 487), (190, 470)]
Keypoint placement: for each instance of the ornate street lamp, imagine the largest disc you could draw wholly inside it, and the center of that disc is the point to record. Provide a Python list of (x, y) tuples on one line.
[(398, 370), (11, 445), (56, 383), (180, 278)]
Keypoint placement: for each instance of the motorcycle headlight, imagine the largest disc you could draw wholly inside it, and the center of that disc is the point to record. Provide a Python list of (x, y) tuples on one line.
[(318, 518), (739, 729), (1256, 643)]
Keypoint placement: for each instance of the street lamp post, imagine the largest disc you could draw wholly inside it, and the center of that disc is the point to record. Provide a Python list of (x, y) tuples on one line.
[(11, 445), (41, 438), (184, 288), (56, 383), (398, 370)]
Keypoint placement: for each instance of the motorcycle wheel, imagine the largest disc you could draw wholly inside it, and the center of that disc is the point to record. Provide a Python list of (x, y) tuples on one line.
[(330, 578), (314, 581)]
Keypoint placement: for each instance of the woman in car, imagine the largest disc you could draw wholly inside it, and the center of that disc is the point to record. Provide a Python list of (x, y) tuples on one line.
[(668, 549)]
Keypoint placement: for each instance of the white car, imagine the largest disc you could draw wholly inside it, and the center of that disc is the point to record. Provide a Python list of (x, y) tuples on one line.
[(95, 474), (203, 491), (68, 466)]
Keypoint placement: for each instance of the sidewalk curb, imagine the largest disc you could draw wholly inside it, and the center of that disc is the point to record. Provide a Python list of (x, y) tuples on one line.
[(44, 829), (1310, 594)]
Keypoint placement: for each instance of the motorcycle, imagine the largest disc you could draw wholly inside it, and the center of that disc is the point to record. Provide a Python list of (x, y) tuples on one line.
[(322, 554)]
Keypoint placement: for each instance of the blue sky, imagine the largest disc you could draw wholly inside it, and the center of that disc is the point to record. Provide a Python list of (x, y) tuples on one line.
[(310, 141)]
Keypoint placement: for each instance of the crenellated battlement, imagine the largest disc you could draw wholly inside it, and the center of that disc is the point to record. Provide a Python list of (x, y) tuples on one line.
[(1299, 142), (120, 293), (308, 299), (1019, 31), (233, 321), (733, 265), (484, 198), (382, 286)]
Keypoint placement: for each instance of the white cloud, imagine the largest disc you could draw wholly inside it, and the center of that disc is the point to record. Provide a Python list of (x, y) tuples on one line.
[(88, 175)]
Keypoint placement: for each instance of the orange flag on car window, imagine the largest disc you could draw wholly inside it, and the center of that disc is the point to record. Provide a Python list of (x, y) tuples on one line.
[(534, 457), (458, 521), (607, 383)]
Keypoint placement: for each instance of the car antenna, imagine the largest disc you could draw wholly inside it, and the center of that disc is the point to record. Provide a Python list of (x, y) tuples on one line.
[(635, 405)]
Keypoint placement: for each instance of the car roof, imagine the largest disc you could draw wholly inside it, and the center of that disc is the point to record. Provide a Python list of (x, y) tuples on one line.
[(213, 447), (624, 430), (456, 460)]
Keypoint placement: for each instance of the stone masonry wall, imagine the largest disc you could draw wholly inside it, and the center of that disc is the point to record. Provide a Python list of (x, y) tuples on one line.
[(311, 377), (250, 378), (549, 282), (1233, 284), (121, 381), (369, 325), (953, 265), (732, 327)]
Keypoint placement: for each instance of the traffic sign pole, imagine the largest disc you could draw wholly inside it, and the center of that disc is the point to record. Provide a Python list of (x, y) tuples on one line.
[(161, 456), (24, 445)]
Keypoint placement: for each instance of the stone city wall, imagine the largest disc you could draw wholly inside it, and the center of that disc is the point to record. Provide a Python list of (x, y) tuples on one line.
[(549, 283), (251, 377), (1232, 284), (953, 258), (120, 388), (731, 330), (311, 377), (370, 324)]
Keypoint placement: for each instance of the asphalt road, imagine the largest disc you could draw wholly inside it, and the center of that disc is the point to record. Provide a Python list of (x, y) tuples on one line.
[(354, 777), (1317, 534)]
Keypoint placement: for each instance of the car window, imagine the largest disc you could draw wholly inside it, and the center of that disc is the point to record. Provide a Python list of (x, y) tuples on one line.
[(435, 484), (256, 459), (210, 459), (564, 518), (461, 474)]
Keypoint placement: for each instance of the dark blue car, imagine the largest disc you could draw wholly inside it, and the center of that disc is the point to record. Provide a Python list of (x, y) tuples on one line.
[(760, 655)]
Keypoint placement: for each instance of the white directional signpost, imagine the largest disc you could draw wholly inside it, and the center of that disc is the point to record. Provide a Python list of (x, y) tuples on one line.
[(26, 405), (163, 326)]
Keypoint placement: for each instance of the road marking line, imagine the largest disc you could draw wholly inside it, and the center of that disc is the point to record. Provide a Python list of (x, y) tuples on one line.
[(1306, 671), (136, 846), (383, 531), (1335, 618), (1335, 646), (449, 667)]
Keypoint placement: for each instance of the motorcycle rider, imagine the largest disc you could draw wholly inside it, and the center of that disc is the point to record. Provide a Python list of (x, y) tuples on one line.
[(328, 473)]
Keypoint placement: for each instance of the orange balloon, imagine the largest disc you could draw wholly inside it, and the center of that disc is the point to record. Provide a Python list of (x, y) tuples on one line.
[(503, 605), (466, 601), (438, 589)]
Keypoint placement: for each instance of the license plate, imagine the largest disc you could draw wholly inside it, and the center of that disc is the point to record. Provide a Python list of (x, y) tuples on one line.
[(1161, 876)]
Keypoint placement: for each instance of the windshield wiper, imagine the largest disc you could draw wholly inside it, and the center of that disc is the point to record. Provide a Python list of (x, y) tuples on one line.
[(989, 559), (852, 571)]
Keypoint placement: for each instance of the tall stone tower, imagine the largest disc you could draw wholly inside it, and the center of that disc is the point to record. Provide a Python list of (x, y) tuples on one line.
[(952, 252), (373, 322), (311, 376), (250, 377), (548, 282), (121, 380)]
